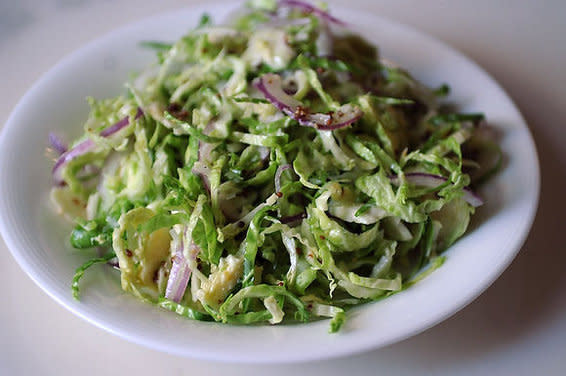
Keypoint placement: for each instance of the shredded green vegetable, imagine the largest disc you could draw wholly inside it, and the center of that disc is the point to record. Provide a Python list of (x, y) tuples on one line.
[(225, 197), (82, 269)]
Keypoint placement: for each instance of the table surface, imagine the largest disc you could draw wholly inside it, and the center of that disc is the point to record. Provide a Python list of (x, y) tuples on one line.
[(518, 326)]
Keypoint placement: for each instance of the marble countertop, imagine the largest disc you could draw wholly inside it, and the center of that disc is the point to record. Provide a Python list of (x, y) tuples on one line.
[(517, 327)]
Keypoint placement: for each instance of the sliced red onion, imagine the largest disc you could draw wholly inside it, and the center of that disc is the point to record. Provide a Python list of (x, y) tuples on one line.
[(78, 150), (278, 173), (317, 118), (178, 276), (472, 198), (311, 9), (85, 147), (119, 125), (346, 115), (58, 145), (432, 181), (270, 85)]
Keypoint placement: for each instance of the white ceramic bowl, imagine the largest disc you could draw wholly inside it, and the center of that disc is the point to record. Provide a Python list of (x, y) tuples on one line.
[(39, 240)]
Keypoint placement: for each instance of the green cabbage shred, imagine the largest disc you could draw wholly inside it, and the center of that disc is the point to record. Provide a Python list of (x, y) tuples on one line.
[(346, 225)]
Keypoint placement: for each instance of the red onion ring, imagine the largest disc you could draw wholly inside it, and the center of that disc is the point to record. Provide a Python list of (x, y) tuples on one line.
[(433, 181), (80, 149), (57, 144), (120, 124), (178, 276), (271, 87), (86, 146), (341, 118), (311, 9)]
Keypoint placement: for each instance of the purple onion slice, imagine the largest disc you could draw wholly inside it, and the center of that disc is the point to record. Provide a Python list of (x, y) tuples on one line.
[(119, 125), (472, 198), (178, 276), (58, 145), (80, 149), (84, 147), (271, 87), (344, 116)]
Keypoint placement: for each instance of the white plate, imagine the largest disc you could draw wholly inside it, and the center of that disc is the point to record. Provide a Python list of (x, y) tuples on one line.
[(38, 240)]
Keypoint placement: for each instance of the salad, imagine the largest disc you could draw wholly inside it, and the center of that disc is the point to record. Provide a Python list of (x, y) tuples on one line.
[(271, 169)]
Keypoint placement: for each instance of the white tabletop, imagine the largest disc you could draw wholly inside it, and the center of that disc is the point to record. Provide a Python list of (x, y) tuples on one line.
[(517, 327)]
